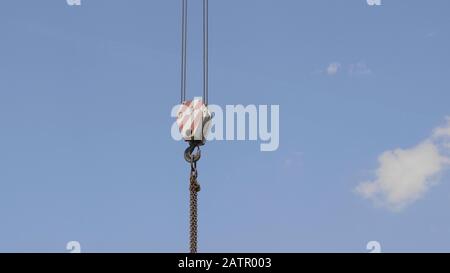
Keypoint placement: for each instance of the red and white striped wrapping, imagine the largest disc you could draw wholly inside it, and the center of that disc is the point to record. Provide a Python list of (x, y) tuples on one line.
[(193, 120)]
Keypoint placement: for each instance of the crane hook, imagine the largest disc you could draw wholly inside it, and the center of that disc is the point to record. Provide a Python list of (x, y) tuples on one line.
[(189, 154)]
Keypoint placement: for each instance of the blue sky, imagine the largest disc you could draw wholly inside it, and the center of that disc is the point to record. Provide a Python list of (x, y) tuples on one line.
[(85, 146)]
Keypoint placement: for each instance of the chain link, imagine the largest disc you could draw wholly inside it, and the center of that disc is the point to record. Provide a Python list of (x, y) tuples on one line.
[(194, 188)]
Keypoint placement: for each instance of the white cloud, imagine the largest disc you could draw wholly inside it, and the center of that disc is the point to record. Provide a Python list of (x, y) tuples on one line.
[(405, 175), (442, 132), (353, 69), (333, 68)]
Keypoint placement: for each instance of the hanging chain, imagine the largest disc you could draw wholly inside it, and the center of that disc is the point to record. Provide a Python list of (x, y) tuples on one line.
[(194, 188)]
